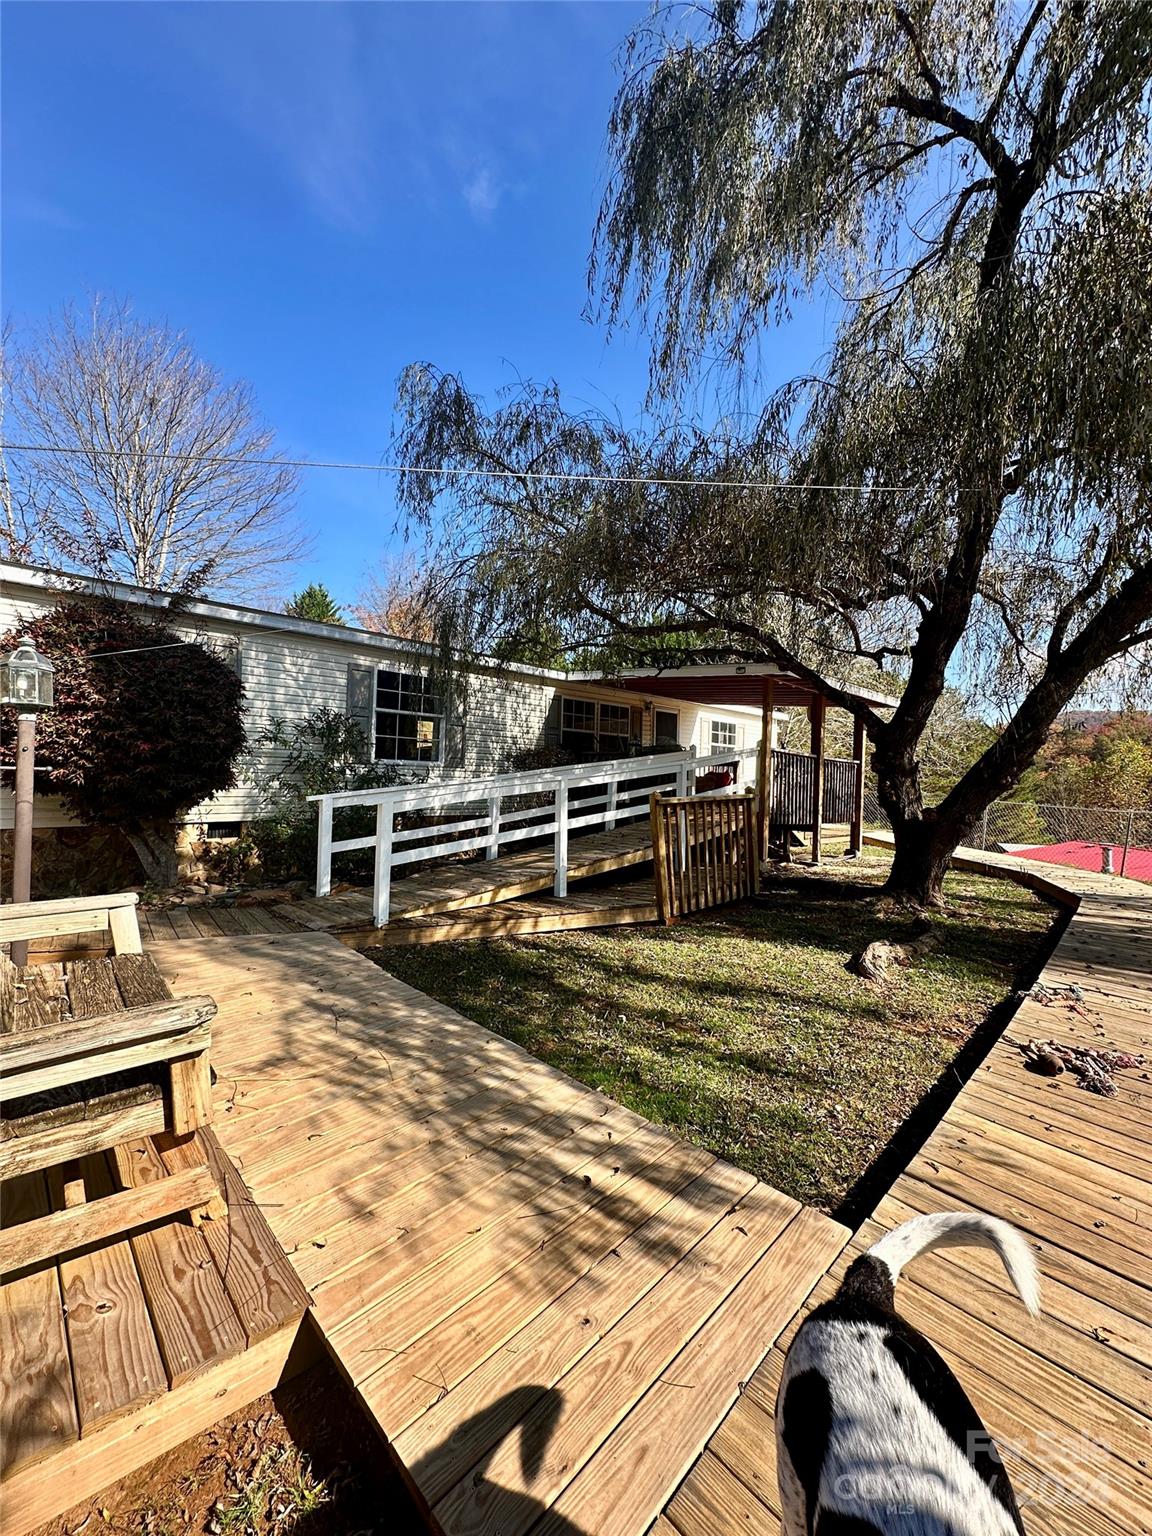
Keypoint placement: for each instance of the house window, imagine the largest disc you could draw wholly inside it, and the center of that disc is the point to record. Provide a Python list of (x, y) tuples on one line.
[(615, 726), (578, 724), (723, 735), (666, 728), (586, 726), (409, 719)]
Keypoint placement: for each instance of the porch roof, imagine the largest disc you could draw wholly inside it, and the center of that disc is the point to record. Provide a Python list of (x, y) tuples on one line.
[(738, 683)]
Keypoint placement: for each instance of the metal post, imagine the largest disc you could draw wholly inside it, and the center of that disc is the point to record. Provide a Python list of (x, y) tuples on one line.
[(22, 827), (382, 869), (324, 848), (493, 849), (560, 846), (856, 833), (764, 766), (1128, 833), (816, 715), (984, 832)]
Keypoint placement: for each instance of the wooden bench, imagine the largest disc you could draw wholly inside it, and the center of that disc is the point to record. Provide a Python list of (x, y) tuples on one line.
[(96, 1055), (75, 915)]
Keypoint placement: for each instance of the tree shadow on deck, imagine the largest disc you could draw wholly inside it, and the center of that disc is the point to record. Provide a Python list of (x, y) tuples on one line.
[(334, 1078)]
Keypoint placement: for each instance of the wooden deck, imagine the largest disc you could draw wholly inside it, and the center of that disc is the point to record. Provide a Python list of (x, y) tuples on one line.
[(1068, 1395), (566, 1320), (419, 902), (528, 1285), (476, 898)]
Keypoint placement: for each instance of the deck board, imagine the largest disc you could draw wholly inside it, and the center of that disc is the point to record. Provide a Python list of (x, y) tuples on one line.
[(116, 1365), (37, 1404), (1068, 1395), (457, 1208)]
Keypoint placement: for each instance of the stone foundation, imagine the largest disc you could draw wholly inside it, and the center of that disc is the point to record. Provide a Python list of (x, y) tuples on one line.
[(74, 861)]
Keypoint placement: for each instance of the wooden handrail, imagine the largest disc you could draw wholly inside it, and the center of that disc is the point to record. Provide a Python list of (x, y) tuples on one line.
[(69, 904), (80, 1037), (58, 1055)]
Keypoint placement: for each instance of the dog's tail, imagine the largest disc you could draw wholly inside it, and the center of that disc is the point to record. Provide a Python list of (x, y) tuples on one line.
[(962, 1229)]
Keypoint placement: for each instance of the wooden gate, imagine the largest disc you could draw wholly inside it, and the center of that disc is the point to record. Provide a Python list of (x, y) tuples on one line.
[(704, 852)]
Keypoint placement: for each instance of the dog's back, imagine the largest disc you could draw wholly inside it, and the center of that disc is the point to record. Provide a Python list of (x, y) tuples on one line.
[(875, 1436)]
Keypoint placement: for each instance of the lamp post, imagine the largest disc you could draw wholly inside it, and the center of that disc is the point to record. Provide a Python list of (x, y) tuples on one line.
[(26, 685)]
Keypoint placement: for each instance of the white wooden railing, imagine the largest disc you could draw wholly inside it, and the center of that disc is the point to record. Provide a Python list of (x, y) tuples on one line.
[(471, 813)]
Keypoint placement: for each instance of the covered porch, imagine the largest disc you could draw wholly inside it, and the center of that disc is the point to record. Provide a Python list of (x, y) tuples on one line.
[(796, 791)]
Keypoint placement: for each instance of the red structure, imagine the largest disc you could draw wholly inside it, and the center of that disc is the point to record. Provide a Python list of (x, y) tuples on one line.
[(1091, 856)]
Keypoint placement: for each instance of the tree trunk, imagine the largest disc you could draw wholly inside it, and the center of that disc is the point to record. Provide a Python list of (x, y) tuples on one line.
[(919, 864), (155, 845), (923, 841)]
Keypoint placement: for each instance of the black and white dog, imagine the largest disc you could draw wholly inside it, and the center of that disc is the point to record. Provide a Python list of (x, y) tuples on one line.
[(874, 1434)]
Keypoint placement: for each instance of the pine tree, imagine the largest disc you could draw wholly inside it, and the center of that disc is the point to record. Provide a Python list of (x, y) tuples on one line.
[(315, 602)]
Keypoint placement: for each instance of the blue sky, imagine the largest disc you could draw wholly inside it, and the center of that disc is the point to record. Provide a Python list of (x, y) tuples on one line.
[(320, 194)]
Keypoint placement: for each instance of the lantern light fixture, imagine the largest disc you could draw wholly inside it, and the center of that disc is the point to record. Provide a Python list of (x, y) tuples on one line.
[(26, 678)]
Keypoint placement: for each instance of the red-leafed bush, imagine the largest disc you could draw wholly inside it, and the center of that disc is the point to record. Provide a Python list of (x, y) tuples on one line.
[(146, 723)]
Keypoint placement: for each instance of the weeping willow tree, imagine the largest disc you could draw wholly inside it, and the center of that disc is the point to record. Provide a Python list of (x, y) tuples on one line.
[(962, 490)]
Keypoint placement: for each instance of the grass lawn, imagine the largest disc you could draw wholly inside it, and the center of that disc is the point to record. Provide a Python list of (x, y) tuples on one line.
[(742, 1030)]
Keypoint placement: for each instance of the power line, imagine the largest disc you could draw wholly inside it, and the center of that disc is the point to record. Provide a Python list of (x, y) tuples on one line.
[(567, 476), (139, 650)]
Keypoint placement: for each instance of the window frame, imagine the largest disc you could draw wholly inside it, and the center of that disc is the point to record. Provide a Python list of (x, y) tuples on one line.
[(590, 739), (675, 713), (625, 709), (438, 715), (723, 746)]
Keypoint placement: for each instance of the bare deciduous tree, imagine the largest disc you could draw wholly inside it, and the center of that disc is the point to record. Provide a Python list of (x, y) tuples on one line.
[(140, 461), (398, 600)]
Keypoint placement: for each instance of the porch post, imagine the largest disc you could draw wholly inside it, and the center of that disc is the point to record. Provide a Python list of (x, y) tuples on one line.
[(856, 834), (764, 767), (560, 839), (816, 719)]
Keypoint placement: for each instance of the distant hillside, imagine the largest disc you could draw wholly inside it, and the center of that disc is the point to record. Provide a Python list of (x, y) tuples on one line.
[(1096, 719), (1095, 757)]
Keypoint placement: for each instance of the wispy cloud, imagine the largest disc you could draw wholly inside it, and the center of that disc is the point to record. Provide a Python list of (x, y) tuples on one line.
[(298, 88), (482, 193), (34, 209)]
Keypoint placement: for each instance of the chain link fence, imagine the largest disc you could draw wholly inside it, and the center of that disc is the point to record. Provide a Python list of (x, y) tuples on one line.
[(1092, 837)]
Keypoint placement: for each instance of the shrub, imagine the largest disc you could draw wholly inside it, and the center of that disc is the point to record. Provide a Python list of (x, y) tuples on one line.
[(231, 862), (319, 755), (146, 724), (525, 759)]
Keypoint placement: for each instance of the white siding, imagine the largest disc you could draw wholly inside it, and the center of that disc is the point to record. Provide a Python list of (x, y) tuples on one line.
[(289, 674)]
